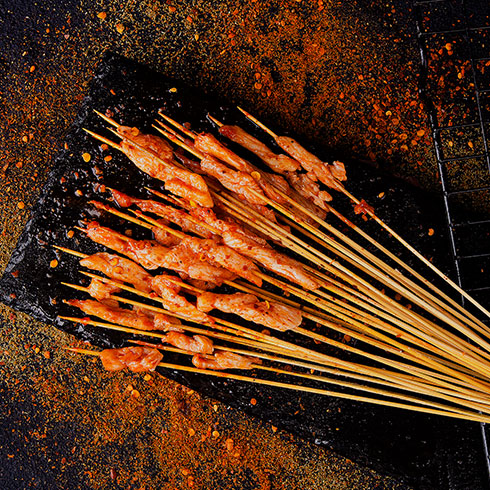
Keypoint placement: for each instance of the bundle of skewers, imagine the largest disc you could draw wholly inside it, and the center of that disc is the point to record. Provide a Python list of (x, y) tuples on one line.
[(244, 261)]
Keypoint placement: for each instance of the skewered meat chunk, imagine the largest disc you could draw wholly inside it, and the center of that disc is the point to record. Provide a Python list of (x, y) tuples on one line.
[(209, 217), (317, 170), (271, 259), (148, 253), (101, 290), (309, 189), (151, 255), (168, 213), (225, 360), (176, 303), (363, 208), (163, 236), (161, 321), (270, 314), (119, 268), (278, 163), (234, 180), (117, 315), (136, 359), (197, 343), (208, 144), (225, 257), (181, 182)]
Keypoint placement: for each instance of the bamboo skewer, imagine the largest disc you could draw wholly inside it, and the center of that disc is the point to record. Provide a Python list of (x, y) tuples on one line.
[(81, 288), (390, 231), (483, 329), (323, 321), (422, 373), (460, 414), (379, 300)]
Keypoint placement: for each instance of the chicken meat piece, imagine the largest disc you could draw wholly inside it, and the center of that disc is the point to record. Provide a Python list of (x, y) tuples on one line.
[(101, 290), (237, 181), (249, 307), (224, 256), (136, 359), (177, 303), (161, 321), (209, 145), (309, 189), (363, 208), (164, 237), (151, 255), (168, 213), (225, 360), (209, 217), (116, 315), (157, 161), (197, 343), (271, 259), (119, 268), (317, 170), (278, 163)]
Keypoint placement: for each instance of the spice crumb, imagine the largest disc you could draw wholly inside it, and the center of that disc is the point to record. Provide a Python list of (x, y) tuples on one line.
[(431, 231), (191, 432), (86, 157), (102, 15), (119, 28), (53, 263), (253, 401), (21, 205)]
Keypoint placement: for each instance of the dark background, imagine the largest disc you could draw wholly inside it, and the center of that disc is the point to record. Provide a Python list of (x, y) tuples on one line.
[(343, 76)]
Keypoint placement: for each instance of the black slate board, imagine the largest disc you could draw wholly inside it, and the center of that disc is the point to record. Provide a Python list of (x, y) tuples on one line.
[(425, 451)]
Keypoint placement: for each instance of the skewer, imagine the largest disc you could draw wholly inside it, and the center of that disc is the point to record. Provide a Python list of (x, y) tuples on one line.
[(377, 261), (390, 231), (187, 132), (103, 139), (396, 365), (330, 324), (321, 379), (447, 411)]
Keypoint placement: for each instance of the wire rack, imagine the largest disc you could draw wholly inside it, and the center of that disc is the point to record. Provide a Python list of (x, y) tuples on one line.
[(454, 42)]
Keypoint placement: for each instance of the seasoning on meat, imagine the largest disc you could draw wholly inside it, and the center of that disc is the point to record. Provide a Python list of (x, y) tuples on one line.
[(225, 360), (197, 343), (249, 307), (119, 268), (279, 163), (117, 315), (271, 259), (179, 181), (136, 359)]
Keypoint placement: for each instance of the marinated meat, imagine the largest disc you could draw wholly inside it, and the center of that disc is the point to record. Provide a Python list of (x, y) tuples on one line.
[(249, 307), (136, 359), (197, 343)]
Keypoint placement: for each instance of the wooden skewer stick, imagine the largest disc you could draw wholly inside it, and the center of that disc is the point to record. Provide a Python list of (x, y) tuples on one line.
[(447, 412), (332, 361), (391, 232), (422, 373), (103, 139), (187, 132), (325, 379)]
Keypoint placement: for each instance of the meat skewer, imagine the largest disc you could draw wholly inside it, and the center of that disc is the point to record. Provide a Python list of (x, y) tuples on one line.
[(435, 408), (136, 359), (270, 314), (370, 212), (129, 318)]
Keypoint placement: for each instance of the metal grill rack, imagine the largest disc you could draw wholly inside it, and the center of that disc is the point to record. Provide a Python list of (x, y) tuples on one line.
[(454, 41)]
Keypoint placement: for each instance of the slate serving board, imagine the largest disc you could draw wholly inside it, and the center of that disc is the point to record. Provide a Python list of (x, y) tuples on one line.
[(424, 451)]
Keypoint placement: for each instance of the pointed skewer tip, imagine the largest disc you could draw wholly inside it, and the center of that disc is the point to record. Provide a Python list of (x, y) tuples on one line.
[(107, 119)]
